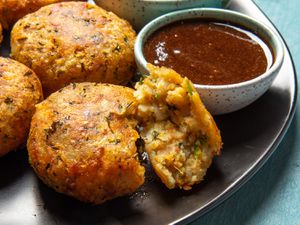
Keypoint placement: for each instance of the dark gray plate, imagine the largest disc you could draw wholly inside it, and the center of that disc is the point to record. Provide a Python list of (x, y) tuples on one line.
[(250, 136)]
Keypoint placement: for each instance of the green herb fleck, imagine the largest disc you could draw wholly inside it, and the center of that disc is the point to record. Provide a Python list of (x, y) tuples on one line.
[(154, 80), (118, 48), (120, 107), (155, 135), (197, 148), (189, 87), (128, 105), (117, 141), (8, 100), (157, 96), (108, 119), (200, 142), (76, 38), (114, 141), (143, 77), (126, 39), (181, 146)]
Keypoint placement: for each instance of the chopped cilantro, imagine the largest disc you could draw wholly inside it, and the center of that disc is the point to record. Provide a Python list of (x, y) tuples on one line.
[(197, 148), (143, 77), (128, 105), (108, 119), (8, 100), (200, 142), (157, 96), (115, 141), (117, 48), (155, 135), (181, 146), (189, 87)]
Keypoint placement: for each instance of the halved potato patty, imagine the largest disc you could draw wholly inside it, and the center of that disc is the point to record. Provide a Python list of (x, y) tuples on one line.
[(82, 142), (181, 137), (20, 90), (74, 42)]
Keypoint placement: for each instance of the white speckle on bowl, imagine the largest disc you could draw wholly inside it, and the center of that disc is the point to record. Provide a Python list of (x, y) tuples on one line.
[(229, 99)]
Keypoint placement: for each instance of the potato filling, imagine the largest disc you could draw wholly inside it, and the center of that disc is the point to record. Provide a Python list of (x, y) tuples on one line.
[(180, 135)]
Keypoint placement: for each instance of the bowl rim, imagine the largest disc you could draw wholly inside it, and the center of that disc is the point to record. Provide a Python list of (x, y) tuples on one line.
[(211, 13)]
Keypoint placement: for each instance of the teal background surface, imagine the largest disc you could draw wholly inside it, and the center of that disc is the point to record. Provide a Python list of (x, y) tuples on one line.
[(272, 196)]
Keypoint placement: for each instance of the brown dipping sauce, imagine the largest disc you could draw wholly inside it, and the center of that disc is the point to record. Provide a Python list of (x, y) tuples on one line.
[(212, 53)]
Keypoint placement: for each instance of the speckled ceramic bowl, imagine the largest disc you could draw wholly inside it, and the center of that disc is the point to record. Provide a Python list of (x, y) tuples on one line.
[(140, 12), (221, 99)]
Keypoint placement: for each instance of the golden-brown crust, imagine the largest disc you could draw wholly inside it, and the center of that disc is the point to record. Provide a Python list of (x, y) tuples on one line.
[(74, 42), (12, 10), (82, 142), (20, 90)]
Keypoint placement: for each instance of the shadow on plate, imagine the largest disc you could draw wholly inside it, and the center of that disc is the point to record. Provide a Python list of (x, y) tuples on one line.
[(5, 45), (67, 210), (12, 167), (255, 119)]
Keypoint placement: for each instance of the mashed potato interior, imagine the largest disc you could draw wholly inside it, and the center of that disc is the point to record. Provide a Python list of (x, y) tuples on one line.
[(180, 135)]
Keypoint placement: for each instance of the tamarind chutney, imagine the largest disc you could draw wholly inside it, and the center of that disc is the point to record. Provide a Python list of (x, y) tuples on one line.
[(209, 52)]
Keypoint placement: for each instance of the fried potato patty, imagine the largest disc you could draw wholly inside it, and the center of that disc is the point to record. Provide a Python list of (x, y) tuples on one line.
[(20, 90), (74, 42), (181, 137), (82, 142), (12, 10)]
